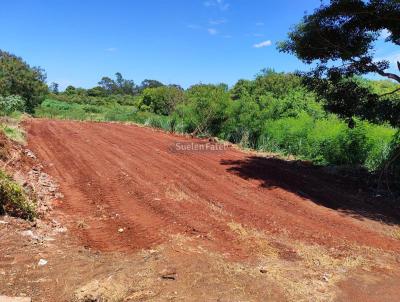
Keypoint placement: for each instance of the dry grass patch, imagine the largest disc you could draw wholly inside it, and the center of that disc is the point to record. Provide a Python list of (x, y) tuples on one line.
[(175, 193), (302, 270)]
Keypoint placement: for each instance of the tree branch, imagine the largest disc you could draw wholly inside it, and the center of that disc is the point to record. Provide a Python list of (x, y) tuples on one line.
[(388, 74), (389, 93)]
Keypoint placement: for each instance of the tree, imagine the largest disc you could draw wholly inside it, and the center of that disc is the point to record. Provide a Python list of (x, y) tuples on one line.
[(70, 90), (340, 38), (18, 78), (119, 86), (241, 89), (108, 85), (96, 91), (163, 99), (54, 88), (125, 86), (150, 84), (206, 109)]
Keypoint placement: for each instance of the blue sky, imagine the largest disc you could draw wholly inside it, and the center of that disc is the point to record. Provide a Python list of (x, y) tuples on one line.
[(174, 41)]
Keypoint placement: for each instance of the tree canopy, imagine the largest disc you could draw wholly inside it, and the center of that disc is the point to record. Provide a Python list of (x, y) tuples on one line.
[(339, 38), (18, 78)]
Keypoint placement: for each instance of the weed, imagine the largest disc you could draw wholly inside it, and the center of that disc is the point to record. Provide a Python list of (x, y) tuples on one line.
[(13, 200)]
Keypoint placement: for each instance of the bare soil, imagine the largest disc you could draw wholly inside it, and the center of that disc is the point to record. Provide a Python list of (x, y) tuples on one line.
[(146, 223)]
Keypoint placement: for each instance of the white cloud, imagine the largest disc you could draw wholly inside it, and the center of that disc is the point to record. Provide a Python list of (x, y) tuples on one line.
[(260, 24), (194, 26), (257, 35), (212, 31), (263, 44), (111, 49), (385, 34), (221, 4), (227, 36), (217, 21)]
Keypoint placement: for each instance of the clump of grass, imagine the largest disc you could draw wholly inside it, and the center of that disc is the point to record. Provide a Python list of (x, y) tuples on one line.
[(13, 200), (396, 233), (14, 133)]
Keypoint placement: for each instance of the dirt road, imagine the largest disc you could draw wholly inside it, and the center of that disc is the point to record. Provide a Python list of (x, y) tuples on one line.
[(125, 190)]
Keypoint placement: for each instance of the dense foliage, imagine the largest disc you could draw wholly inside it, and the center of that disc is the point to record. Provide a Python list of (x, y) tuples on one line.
[(340, 38), (18, 78), (11, 103)]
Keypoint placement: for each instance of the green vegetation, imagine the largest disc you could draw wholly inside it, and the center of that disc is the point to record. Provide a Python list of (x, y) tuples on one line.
[(13, 200), (51, 108), (339, 38), (10, 126), (18, 78), (274, 112)]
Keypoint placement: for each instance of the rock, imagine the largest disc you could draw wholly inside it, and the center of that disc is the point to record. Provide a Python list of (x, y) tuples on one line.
[(15, 299), (29, 233), (120, 230), (263, 271), (326, 277), (168, 274), (41, 262), (30, 154)]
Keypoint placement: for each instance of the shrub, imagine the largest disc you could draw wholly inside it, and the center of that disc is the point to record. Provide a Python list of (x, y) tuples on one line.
[(205, 110), (11, 103), (161, 100), (13, 200)]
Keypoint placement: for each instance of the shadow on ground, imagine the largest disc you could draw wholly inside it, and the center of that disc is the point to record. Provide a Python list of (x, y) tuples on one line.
[(348, 193)]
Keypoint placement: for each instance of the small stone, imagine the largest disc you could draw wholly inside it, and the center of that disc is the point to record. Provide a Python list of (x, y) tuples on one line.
[(120, 230), (42, 262), (263, 271), (325, 277), (29, 233), (168, 274)]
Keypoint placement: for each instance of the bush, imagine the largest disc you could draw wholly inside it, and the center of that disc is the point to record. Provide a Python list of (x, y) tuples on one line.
[(18, 78), (205, 110), (161, 100), (11, 103), (13, 200), (327, 141)]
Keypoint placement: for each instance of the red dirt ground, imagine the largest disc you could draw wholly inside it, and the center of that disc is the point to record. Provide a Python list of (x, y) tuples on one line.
[(116, 176)]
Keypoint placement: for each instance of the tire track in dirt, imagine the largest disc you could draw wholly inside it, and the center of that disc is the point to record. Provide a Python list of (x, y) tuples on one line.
[(124, 176)]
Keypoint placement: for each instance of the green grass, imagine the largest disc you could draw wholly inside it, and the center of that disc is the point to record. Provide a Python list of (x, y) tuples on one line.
[(13, 200), (328, 140), (10, 125), (14, 133), (110, 112)]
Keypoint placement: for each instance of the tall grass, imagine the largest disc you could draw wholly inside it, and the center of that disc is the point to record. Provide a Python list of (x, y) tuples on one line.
[(328, 140), (110, 112)]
